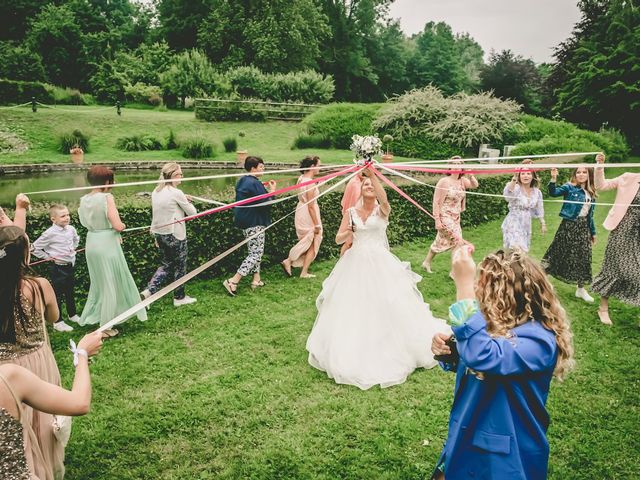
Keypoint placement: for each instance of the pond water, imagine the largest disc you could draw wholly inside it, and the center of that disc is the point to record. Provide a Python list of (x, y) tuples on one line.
[(11, 185)]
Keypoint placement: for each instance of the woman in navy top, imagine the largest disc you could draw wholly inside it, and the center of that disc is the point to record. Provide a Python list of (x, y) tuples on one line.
[(252, 218), (512, 337), (568, 258)]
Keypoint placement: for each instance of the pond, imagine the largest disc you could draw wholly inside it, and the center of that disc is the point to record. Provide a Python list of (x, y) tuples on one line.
[(11, 185)]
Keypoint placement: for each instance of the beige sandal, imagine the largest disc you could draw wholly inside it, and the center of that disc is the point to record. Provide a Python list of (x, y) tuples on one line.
[(231, 287), (604, 317), (255, 285)]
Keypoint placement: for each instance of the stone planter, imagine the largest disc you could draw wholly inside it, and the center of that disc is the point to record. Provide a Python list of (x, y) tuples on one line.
[(241, 157), (387, 158), (77, 157)]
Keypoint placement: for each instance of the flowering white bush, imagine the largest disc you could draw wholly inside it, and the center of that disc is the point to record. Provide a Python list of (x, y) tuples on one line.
[(365, 147)]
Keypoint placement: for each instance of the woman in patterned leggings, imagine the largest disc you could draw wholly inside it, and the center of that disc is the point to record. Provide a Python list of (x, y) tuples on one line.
[(252, 219)]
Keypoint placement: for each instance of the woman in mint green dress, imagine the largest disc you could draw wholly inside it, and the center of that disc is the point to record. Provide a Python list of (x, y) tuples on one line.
[(112, 289)]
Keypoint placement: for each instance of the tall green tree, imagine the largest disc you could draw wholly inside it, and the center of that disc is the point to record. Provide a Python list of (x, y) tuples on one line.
[(471, 58), (56, 36), (16, 15), (17, 62), (596, 77), (436, 59), (180, 20), (512, 77), (273, 35), (346, 53), (389, 53)]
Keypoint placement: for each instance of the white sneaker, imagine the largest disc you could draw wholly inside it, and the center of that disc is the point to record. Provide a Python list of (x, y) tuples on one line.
[(75, 318), (582, 293), (187, 300), (62, 327)]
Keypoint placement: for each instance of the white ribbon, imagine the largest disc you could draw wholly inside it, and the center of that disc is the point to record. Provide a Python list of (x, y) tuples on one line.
[(77, 351)]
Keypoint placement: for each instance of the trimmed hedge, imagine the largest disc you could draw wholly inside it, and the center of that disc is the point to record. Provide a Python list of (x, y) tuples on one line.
[(212, 234), (17, 91), (338, 122)]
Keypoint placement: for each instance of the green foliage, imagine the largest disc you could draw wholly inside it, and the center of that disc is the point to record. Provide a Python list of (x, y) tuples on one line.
[(297, 87), (192, 74), (436, 60), (273, 36), (17, 62), (142, 93), (70, 96), (233, 111), (17, 91), (540, 136), (138, 143), (66, 141), (462, 120), (338, 122), (56, 35), (145, 64), (172, 142), (311, 141), (197, 148), (108, 83), (596, 76), (471, 57), (512, 77), (230, 144)]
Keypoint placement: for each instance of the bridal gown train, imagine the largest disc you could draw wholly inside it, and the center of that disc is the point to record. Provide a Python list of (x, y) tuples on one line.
[(373, 327)]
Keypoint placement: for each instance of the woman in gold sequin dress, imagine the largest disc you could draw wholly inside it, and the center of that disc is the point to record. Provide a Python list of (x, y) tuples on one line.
[(25, 303)]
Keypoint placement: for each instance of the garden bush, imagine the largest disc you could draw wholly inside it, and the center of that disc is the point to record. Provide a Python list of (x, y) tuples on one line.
[(461, 120), (66, 141), (338, 122), (143, 93), (172, 141), (197, 148), (138, 143), (70, 96), (311, 141), (230, 144), (17, 91)]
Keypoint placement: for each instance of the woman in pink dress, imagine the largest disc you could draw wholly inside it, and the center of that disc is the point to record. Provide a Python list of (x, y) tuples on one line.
[(307, 221), (448, 204)]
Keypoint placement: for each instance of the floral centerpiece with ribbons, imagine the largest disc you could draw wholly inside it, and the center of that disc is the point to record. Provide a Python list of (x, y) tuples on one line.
[(365, 147)]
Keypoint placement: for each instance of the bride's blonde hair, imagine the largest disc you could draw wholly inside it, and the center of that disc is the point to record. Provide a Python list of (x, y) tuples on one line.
[(512, 289)]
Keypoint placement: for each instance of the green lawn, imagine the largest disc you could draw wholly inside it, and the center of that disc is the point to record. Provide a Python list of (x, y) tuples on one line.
[(222, 389), (270, 140)]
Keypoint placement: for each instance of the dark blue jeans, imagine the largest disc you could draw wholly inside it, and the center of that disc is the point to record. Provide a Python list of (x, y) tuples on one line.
[(173, 259)]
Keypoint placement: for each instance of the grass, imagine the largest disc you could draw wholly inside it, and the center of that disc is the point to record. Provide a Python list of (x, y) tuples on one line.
[(222, 389), (270, 140)]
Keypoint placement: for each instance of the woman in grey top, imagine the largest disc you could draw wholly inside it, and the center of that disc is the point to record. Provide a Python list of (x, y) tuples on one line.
[(169, 205)]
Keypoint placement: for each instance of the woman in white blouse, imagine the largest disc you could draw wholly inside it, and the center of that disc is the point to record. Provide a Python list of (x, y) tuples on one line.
[(170, 204)]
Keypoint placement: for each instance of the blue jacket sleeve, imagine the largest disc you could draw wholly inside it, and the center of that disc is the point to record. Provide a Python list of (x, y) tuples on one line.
[(252, 188), (531, 349), (555, 191), (592, 225)]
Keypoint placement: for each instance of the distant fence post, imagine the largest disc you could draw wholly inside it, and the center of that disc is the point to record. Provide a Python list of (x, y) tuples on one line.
[(118, 107), (34, 105)]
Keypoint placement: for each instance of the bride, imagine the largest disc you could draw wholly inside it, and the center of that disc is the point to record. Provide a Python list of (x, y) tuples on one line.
[(373, 327)]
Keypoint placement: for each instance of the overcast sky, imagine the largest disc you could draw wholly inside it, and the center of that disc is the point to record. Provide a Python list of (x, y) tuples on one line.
[(530, 28)]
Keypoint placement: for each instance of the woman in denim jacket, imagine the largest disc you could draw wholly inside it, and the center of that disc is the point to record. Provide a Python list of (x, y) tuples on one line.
[(568, 258)]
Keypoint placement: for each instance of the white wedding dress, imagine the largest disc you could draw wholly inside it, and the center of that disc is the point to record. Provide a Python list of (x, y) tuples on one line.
[(373, 327)]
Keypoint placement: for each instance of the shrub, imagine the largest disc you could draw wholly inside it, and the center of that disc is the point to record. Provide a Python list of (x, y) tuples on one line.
[(172, 141), (197, 148), (230, 112), (338, 122), (17, 91), (230, 144), (311, 141), (143, 93), (66, 141), (460, 120), (541, 135), (138, 143), (70, 96)]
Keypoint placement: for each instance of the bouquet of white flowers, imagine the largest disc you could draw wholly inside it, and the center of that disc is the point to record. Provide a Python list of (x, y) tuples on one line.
[(366, 147)]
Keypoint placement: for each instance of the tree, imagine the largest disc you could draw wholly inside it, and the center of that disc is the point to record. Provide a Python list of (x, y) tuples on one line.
[(389, 54), (191, 74), (15, 16), (56, 36), (471, 58), (596, 78), (20, 63), (346, 53), (512, 77), (180, 21), (436, 59), (273, 35)]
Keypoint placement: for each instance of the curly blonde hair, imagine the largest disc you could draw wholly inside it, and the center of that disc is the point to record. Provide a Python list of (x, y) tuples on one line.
[(513, 289)]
